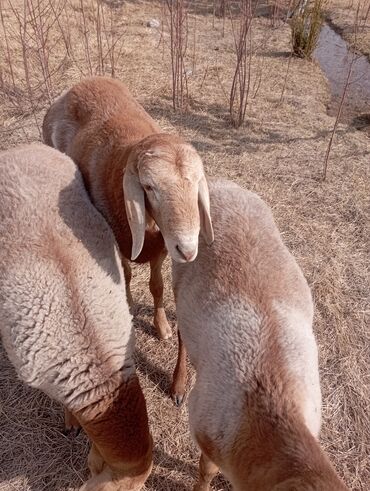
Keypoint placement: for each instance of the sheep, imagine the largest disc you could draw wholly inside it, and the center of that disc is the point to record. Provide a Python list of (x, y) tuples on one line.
[(150, 186), (64, 323), (245, 314)]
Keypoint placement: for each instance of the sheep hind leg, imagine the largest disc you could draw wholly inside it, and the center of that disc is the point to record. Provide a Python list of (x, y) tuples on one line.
[(95, 460), (207, 471), (156, 288), (179, 374), (71, 425), (128, 275)]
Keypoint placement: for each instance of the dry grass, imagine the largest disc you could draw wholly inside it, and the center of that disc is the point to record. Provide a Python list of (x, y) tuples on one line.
[(342, 15), (279, 154)]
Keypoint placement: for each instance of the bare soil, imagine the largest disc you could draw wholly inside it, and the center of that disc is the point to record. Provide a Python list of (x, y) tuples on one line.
[(279, 154)]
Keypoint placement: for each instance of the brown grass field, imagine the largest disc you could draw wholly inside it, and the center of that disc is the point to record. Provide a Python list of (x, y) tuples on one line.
[(279, 154)]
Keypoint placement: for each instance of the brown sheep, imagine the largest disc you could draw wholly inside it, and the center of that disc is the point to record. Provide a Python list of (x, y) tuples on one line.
[(150, 186)]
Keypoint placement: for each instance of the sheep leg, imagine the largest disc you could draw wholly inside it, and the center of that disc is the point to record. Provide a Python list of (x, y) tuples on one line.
[(179, 374), (71, 424), (95, 461), (128, 275), (207, 471), (156, 288)]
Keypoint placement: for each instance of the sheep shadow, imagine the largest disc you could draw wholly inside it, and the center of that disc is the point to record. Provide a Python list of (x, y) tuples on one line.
[(33, 449), (158, 376), (164, 483)]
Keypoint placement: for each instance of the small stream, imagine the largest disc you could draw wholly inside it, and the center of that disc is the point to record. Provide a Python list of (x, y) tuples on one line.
[(334, 57)]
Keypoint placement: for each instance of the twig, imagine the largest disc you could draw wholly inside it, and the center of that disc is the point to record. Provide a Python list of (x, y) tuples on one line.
[(242, 74), (178, 22), (86, 37), (286, 76)]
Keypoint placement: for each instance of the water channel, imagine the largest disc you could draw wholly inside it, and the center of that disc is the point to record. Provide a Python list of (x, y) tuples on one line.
[(335, 59)]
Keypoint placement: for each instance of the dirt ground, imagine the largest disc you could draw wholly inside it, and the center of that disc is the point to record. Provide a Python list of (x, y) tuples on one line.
[(279, 154), (355, 29)]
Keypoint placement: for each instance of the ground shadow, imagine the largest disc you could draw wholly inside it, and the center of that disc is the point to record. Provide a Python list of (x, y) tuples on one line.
[(32, 445), (275, 54), (31, 427), (361, 122), (162, 379), (162, 458), (163, 483), (219, 134)]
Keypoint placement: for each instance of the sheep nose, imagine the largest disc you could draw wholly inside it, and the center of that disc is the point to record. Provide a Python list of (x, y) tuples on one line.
[(187, 254)]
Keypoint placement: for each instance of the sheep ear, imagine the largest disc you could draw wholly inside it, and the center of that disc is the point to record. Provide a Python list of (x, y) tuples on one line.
[(135, 210), (206, 228)]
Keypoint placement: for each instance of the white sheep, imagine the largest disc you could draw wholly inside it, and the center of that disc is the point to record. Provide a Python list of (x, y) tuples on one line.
[(150, 186), (245, 315), (64, 321)]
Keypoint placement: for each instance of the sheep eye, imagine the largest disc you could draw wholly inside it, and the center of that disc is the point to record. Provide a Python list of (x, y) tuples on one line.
[(148, 188)]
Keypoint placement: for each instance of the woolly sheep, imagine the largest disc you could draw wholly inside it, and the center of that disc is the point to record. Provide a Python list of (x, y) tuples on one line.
[(137, 177), (64, 321), (245, 314)]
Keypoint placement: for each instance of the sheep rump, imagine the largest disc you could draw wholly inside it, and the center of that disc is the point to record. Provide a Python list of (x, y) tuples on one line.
[(59, 340), (64, 320)]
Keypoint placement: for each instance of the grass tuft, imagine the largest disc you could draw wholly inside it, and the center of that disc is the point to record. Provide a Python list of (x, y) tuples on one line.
[(306, 24)]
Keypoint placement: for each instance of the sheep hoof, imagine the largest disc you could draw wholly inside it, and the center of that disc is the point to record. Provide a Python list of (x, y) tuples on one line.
[(165, 336), (161, 324), (164, 330), (178, 399), (72, 431)]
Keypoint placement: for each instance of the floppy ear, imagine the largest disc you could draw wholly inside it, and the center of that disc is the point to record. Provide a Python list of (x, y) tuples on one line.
[(206, 228), (135, 210)]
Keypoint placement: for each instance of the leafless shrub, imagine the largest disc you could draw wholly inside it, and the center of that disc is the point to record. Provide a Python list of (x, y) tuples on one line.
[(241, 27), (178, 25), (286, 76), (53, 36), (29, 33), (221, 10), (86, 37), (8, 57), (113, 39), (276, 11)]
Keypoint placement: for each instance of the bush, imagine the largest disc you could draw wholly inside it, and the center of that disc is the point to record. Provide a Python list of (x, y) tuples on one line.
[(306, 23)]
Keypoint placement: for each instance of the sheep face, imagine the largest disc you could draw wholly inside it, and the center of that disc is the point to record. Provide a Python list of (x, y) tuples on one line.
[(164, 180)]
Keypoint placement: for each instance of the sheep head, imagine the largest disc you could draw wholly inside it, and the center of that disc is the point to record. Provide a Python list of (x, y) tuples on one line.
[(164, 180)]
